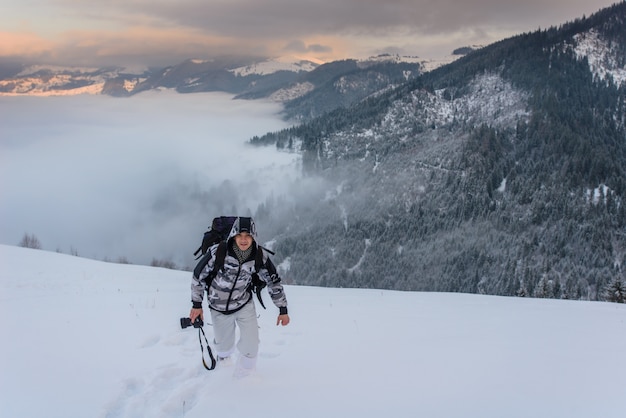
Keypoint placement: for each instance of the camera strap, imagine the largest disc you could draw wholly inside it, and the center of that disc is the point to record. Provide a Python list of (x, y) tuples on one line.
[(208, 349)]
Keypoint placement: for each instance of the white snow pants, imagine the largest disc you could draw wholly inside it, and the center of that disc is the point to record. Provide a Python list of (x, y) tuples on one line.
[(224, 331)]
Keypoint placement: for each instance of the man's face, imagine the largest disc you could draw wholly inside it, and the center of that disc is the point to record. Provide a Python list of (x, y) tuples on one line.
[(243, 240)]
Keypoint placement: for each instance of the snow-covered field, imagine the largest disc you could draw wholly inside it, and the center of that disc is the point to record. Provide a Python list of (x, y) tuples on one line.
[(85, 338)]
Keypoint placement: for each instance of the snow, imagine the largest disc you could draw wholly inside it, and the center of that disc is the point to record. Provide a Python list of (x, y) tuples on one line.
[(39, 88), (292, 92), (428, 64), (502, 186), (270, 66), (45, 81), (434, 63), (491, 99), (597, 193), (85, 338), (602, 59)]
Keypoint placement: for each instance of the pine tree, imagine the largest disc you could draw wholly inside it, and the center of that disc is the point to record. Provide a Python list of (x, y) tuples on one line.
[(615, 291)]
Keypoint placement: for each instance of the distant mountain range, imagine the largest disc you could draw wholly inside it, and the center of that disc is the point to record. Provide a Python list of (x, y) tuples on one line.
[(238, 75), (281, 79)]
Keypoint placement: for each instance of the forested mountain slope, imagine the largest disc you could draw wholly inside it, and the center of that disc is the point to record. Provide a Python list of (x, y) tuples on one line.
[(501, 173)]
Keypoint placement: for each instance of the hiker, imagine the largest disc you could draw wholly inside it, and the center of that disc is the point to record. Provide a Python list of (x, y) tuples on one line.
[(229, 295)]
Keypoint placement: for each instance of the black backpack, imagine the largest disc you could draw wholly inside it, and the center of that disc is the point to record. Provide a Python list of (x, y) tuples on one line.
[(218, 233)]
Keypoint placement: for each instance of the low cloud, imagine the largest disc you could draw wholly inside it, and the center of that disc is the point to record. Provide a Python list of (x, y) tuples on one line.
[(300, 47), (139, 178)]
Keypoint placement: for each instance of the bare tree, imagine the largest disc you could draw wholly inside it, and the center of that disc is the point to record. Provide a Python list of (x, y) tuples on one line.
[(123, 260), (163, 263), (30, 241)]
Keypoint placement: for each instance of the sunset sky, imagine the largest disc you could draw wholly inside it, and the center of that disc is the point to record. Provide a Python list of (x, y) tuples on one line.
[(165, 32)]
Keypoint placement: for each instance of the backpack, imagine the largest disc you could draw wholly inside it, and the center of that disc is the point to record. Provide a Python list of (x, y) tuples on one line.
[(219, 232)]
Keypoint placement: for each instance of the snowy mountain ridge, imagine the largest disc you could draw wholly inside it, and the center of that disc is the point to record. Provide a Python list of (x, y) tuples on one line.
[(40, 80), (188, 76), (271, 66)]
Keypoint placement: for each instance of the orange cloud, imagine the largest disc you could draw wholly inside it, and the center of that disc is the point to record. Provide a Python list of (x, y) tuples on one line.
[(24, 44), (155, 45)]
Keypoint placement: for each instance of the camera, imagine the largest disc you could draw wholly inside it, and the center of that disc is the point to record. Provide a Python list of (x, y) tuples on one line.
[(186, 322)]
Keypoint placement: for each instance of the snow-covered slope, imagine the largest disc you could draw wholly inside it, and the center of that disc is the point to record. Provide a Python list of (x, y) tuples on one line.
[(602, 58), (38, 80), (489, 99), (270, 66), (189, 76), (84, 338), (427, 64)]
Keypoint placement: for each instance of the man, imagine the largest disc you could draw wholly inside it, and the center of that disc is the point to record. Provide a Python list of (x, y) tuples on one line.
[(229, 295)]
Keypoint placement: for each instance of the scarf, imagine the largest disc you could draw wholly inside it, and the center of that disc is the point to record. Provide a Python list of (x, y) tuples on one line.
[(242, 256)]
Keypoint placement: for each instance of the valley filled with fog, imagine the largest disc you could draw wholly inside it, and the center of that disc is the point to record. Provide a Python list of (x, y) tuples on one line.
[(134, 179)]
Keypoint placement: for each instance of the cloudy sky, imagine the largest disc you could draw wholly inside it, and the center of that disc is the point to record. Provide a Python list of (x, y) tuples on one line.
[(164, 32)]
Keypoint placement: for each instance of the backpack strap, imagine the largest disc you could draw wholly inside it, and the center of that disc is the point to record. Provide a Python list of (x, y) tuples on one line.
[(220, 255), (258, 260), (256, 285)]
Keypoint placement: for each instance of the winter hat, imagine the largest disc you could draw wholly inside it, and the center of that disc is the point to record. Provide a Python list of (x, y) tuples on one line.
[(246, 225), (243, 224)]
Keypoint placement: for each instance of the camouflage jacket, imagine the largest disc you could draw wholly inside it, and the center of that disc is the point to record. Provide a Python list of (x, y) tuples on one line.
[(229, 291)]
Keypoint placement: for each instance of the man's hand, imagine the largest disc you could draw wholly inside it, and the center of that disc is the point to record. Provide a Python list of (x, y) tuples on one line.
[(282, 320), (195, 313)]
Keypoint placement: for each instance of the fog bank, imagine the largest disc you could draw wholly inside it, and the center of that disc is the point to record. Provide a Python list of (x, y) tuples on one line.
[(139, 177)]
